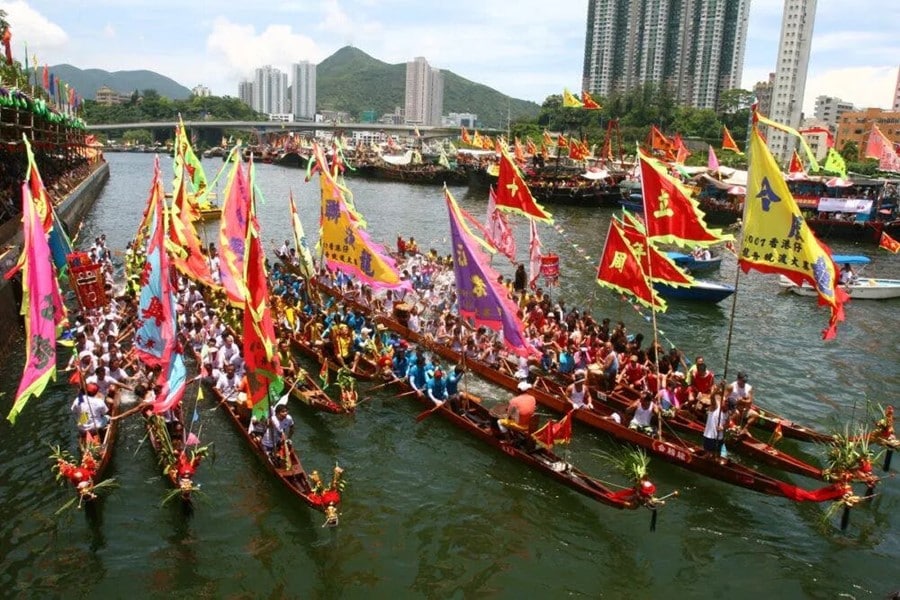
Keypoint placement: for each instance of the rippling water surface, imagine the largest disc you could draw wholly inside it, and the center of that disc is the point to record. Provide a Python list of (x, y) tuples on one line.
[(429, 512)]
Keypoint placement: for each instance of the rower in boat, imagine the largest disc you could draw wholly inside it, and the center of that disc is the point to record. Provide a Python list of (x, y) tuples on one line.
[(91, 412), (519, 413), (715, 423), (578, 393), (739, 398), (278, 434), (700, 379), (643, 411)]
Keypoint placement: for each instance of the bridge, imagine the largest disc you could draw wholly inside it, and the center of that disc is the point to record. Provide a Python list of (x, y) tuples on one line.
[(426, 131)]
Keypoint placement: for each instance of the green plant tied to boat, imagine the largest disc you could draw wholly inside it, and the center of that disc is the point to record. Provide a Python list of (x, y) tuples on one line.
[(80, 474), (848, 453), (346, 382), (633, 463)]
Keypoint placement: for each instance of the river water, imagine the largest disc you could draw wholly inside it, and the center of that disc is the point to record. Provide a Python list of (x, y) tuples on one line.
[(429, 512)]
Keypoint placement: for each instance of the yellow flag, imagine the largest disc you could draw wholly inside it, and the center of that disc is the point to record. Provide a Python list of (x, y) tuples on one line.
[(834, 162), (570, 100), (777, 238)]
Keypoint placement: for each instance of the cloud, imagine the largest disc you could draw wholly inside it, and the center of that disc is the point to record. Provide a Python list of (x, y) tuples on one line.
[(28, 25), (243, 50), (863, 86), (109, 31)]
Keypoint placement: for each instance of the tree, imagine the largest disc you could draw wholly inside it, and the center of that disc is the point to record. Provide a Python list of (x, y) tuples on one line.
[(138, 137), (850, 151), (734, 100)]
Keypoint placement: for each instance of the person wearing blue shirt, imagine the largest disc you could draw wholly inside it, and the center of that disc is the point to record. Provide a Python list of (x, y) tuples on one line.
[(416, 376), (566, 360), (452, 384), (437, 388), (400, 362)]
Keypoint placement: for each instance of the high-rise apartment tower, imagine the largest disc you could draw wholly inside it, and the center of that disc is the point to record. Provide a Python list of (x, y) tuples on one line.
[(695, 47)]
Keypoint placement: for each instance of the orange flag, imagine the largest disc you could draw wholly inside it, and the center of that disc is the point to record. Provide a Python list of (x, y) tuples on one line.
[(465, 136), (796, 164), (487, 143), (728, 141), (548, 141), (498, 147), (555, 432), (513, 194), (519, 151), (562, 142), (888, 243), (658, 141), (530, 147), (588, 102), (681, 151)]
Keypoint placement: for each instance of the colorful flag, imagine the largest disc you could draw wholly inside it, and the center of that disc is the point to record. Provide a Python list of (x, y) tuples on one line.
[(42, 307), (589, 102), (810, 155), (46, 78), (323, 374), (264, 374), (513, 193), (344, 243), (777, 238), (562, 142), (620, 270), (464, 136), (530, 147), (712, 161), (500, 234), (519, 151), (681, 151), (569, 100), (184, 244), (555, 432), (659, 142), (834, 163), (671, 214), (548, 141), (878, 146), (888, 243), (655, 264), (184, 155), (487, 143), (60, 244), (728, 142), (534, 254), (476, 139), (796, 165), (307, 268), (233, 233), (481, 298)]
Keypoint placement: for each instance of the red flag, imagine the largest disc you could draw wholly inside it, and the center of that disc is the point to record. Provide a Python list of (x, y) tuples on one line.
[(671, 214), (880, 147), (888, 243), (562, 142), (728, 141), (621, 271), (555, 432), (681, 151), (796, 164), (46, 78), (519, 151), (530, 147), (487, 143), (465, 136), (500, 233), (513, 194), (187, 255), (588, 102), (658, 141), (498, 147), (655, 264)]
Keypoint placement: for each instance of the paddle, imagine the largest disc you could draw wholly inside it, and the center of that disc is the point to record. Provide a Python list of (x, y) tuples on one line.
[(384, 385), (424, 415)]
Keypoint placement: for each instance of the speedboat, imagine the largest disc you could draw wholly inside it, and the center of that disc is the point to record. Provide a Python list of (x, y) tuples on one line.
[(694, 264), (700, 291), (862, 289)]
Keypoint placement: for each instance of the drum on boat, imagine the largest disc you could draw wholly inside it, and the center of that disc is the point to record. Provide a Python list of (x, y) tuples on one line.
[(595, 377)]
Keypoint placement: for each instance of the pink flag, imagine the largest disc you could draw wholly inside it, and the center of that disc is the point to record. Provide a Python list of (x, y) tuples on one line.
[(192, 440), (534, 266), (712, 163), (880, 147), (501, 234), (232, 232), (41, 305)]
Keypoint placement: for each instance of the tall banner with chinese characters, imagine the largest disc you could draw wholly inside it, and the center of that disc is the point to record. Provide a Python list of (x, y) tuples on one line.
[(232, 233), (481, 298), (41, 305), (654, 263), (86, 279), (777, 238), (345, 245)]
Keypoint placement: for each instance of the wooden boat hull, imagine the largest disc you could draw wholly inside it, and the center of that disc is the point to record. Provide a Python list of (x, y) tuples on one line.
[(604, 418)]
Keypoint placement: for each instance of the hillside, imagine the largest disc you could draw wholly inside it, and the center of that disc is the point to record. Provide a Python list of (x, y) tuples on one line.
[(351, 80), (88, 81)]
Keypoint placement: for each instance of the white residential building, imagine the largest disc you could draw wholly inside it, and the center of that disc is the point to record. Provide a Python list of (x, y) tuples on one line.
[(829, 110), (303, 90), (797, 23), (424, 93), (269, 91), (201, 91)]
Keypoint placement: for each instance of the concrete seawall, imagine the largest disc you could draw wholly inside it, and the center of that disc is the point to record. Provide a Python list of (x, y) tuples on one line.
[(71, 210)]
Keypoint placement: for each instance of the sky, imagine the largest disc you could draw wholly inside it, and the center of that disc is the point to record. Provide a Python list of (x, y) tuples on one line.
[(527, 48)]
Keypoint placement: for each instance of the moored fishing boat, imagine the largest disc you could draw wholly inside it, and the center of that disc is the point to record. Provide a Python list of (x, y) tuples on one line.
[(863, 288), (694, 264), (699, 291)]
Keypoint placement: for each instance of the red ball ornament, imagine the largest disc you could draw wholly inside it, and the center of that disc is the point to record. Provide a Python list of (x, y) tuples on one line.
[(647, 488)]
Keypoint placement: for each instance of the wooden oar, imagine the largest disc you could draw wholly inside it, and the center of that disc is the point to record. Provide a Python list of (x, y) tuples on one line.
[(424, 415), (384, 385)]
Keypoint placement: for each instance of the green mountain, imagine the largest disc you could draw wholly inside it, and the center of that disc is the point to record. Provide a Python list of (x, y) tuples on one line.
[(88, 81), (350, 80)]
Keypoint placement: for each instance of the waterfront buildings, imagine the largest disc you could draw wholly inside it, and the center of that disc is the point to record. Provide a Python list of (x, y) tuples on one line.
[(855, 126), (108, 97), (794, 44), (424, 93), (245, 92), (695, 47), (829, 110), (468, 120), (303, 90), (269, 91)]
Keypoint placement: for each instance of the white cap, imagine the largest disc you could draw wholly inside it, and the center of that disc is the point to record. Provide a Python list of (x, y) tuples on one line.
[(524, 386)]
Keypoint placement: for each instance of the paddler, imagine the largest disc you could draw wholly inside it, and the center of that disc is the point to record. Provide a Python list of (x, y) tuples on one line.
[(520, 412)]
